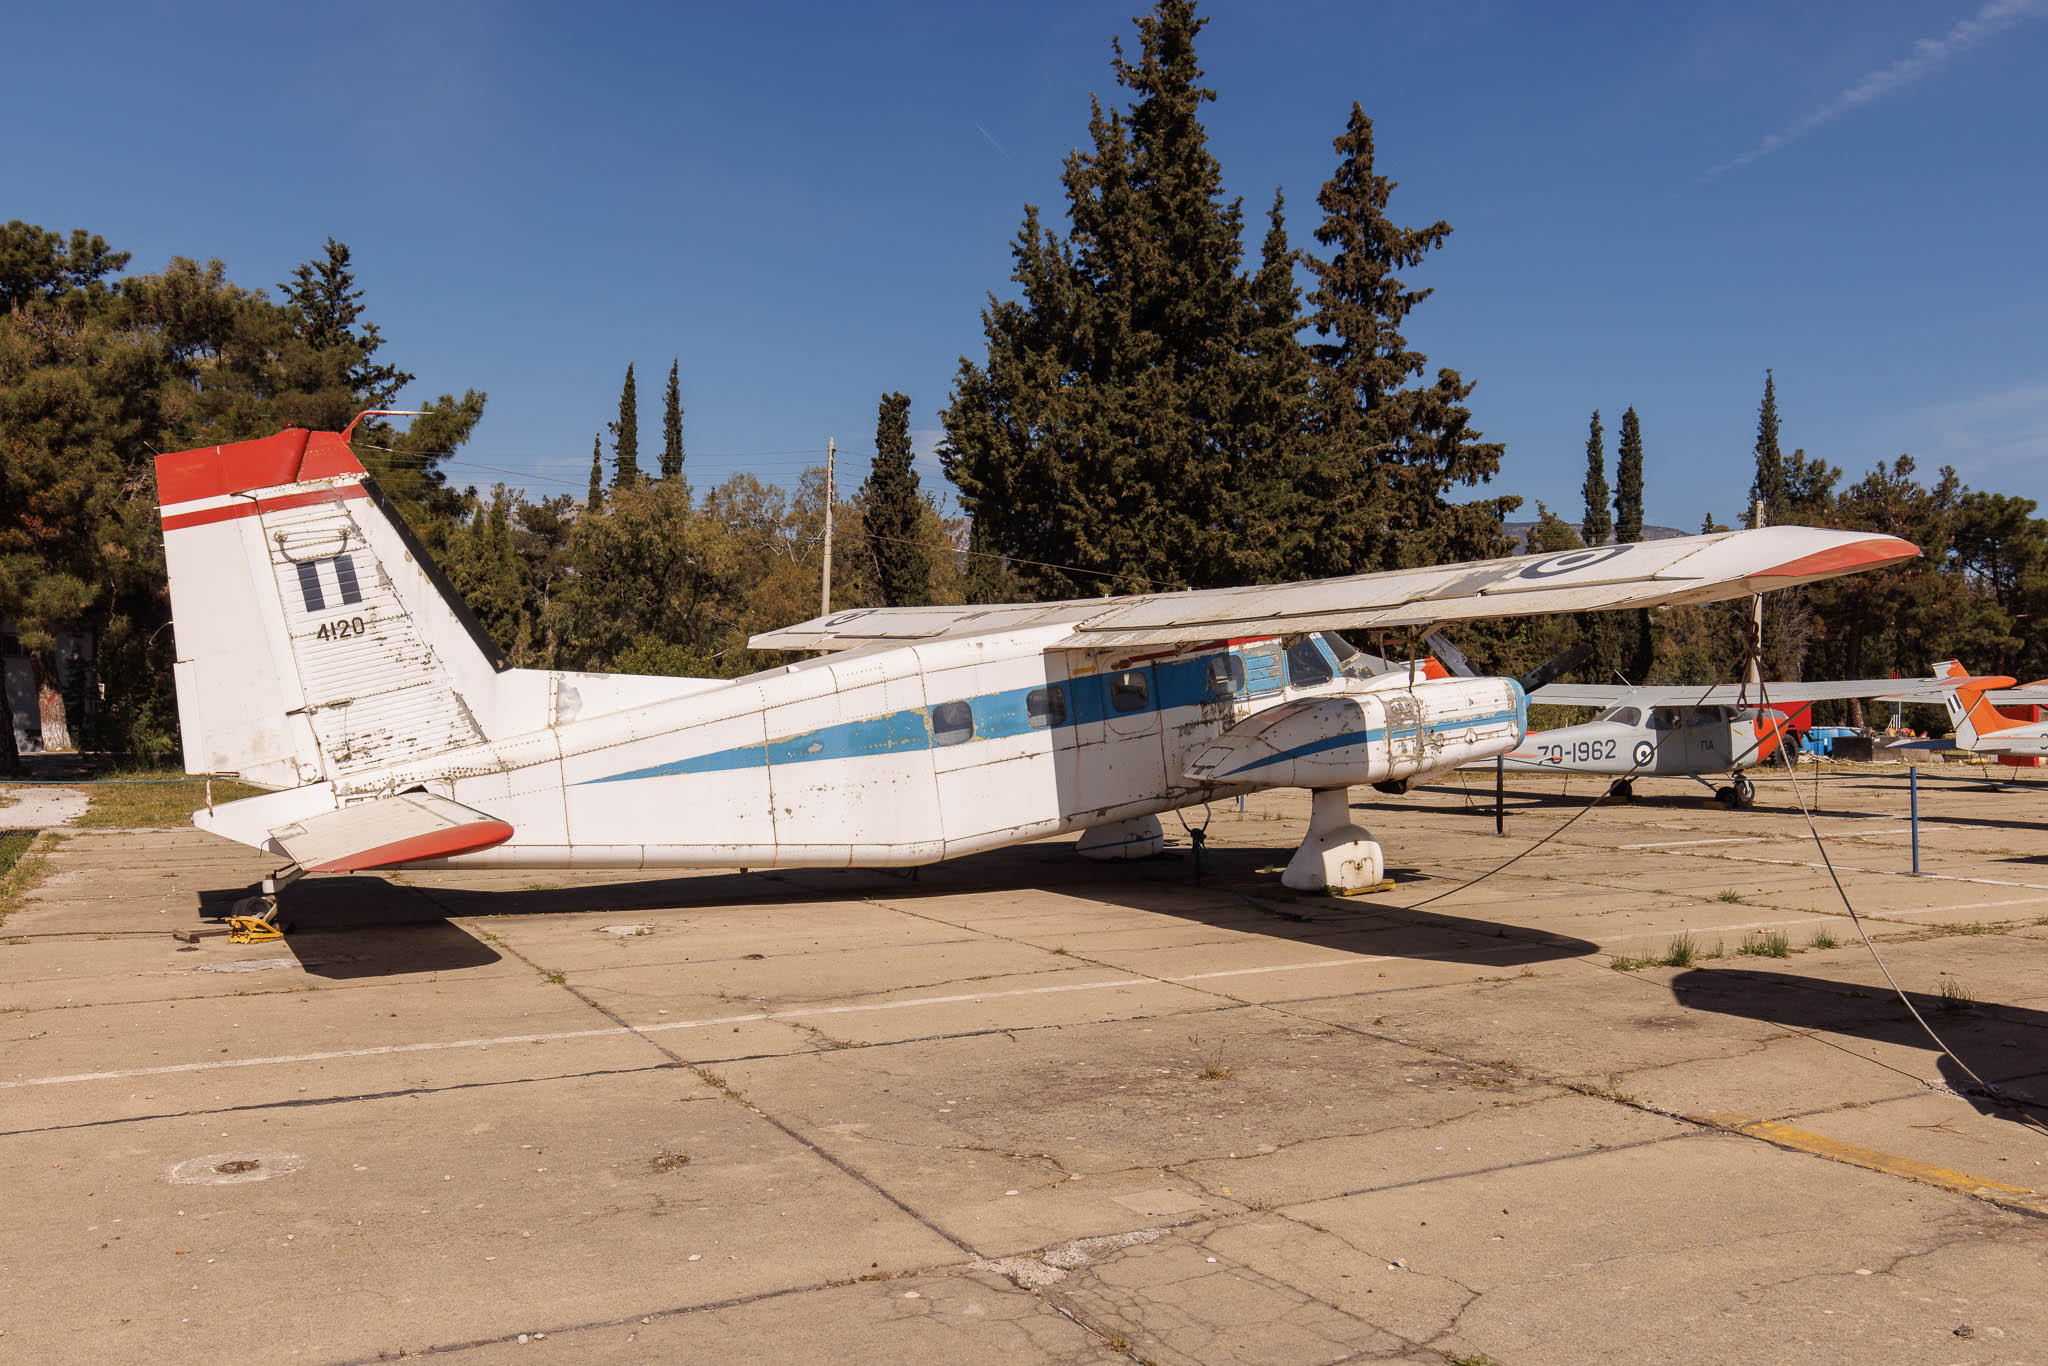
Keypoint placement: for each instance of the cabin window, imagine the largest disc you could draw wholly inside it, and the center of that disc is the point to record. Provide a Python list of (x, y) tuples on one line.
[(952, 723), (1129, 691), (1625, 716), (1045, 707), (1226, 676), (1306, 667)]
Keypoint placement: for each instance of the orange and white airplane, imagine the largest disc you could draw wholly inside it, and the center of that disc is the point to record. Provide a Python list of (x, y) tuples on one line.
[(1981, 727)]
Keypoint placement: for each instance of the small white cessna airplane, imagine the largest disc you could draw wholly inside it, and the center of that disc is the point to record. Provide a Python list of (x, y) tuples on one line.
[(321, 654), (1679, 731)]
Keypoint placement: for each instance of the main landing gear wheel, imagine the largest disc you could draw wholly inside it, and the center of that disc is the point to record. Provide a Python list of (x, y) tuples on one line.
[(1622, 790)]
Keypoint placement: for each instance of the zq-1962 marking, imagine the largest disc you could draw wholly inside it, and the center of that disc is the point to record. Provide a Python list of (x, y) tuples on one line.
[(1577, 752), (341, 628)]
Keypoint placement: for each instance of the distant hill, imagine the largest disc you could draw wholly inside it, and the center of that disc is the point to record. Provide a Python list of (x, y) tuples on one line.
[(1519, 532)]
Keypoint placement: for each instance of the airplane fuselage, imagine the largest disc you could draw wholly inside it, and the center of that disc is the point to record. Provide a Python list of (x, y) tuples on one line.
[(908, 755)]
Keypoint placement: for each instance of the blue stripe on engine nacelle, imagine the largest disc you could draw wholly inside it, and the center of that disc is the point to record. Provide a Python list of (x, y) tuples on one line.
[(1369, 736)]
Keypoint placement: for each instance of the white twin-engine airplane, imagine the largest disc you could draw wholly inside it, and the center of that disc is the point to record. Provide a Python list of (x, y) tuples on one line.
[(321, 654)]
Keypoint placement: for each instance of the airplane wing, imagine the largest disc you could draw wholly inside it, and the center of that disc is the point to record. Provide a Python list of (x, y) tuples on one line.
[(1679, 569), (1728, 694), (407, 828)]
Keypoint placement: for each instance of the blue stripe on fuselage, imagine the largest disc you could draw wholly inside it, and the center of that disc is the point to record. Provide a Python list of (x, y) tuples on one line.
[(1172, 684)]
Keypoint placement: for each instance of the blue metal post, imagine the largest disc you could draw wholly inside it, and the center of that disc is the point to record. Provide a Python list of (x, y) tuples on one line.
[(1913, 796)]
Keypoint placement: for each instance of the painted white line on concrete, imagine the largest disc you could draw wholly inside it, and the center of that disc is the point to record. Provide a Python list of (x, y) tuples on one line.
[(1882, 872), (1684, 844), (1814, 917), (664, 1026)]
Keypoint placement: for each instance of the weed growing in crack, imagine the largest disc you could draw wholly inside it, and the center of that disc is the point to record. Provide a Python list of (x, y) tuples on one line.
[(1821, 940), (1730, 896), (668, 1160), (556, 978), (1767, 944), (1215, 1066), (1955, 996), (1621, 962), (1682, 951)]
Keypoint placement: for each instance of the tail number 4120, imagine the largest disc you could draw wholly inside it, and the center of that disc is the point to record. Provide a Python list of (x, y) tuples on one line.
[(341, 628)]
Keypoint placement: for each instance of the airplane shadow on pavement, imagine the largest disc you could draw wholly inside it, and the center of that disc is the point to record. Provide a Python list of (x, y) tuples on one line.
[(2005, 1045), (368, 926)]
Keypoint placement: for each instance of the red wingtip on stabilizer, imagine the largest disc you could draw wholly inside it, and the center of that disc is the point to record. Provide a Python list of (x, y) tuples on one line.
[(293, 455)]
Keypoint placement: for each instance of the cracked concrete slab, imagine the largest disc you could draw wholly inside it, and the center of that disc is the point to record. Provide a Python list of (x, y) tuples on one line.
[(1025, 1108)]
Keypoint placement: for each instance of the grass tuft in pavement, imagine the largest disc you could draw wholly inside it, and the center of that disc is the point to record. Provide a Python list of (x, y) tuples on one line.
[(145, 797), (1769, 944)]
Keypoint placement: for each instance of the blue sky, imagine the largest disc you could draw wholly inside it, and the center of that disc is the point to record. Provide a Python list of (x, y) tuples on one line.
[(807, 203)]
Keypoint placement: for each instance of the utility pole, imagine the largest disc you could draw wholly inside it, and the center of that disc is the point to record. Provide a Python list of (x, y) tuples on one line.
[(1753, 679), (831, 496)]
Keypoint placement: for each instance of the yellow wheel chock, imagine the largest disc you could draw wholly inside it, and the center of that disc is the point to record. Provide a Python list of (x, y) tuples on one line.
[(250, 929)]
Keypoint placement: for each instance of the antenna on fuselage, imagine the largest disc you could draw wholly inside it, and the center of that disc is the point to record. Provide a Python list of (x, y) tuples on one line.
[(379, 412)]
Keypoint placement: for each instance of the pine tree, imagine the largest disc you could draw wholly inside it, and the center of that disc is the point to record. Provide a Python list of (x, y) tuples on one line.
[(672, 426), (1552, 532), (1401, 449), (1599, 522), (1101, 431), (892, 514), (324, 293), (596, 499), (1278, 527), (1628, 481), (626, 437), (1769, 488), (985, 578)]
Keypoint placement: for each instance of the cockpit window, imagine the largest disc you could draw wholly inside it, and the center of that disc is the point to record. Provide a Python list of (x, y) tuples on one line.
[(1625, 716), (1306, 666)]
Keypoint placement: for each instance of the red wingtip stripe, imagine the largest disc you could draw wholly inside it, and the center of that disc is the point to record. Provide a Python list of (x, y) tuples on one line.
[(457, 839), (290, 457), (1867, 553)]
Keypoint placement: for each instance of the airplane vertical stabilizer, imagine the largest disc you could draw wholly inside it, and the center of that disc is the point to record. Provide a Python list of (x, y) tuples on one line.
[(315, 638)]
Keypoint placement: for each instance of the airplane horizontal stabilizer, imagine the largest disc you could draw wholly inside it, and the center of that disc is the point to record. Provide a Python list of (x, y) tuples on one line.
[(408, 828)]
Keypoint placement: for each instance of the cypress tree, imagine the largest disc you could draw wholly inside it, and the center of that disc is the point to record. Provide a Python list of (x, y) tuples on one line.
[(1769, 488), (1628, 481), (672, 426), (596, 500), (626, 436), (893, 510), (1401, 448), (1598, 523)]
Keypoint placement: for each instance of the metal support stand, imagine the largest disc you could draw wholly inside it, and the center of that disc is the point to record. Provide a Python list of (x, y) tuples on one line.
[(1500, 795), (1913, 797)]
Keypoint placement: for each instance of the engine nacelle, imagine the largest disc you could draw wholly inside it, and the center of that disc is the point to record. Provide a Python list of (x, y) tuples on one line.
[(1369, 736)]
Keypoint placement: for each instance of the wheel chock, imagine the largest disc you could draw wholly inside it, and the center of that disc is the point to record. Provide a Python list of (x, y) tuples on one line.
[(1385, 884), (249, 929)]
